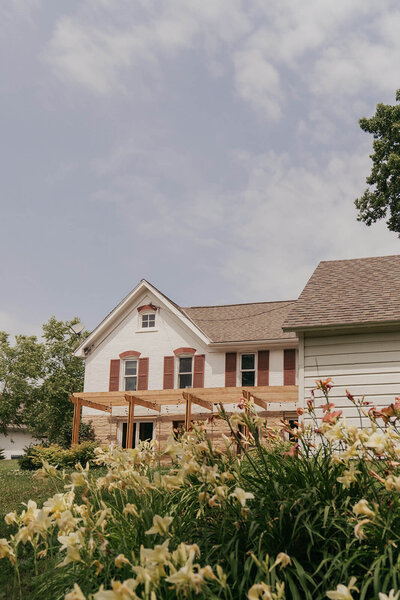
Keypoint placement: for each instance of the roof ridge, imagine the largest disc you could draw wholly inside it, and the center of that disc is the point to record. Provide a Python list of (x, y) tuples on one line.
[(337, 260), (238, 304)]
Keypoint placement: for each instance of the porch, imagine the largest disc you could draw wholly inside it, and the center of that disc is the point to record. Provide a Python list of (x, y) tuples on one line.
[(187, 404)]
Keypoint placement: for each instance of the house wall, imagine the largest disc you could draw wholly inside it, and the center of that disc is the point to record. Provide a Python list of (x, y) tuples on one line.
[(367, 364), (170, 333), (15, 441)]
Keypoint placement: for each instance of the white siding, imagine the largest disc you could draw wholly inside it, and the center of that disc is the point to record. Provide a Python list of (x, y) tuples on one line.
[(366, 364), (15, 441)]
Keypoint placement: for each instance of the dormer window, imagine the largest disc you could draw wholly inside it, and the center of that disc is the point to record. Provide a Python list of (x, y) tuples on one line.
[(147, 317), (148, 320)]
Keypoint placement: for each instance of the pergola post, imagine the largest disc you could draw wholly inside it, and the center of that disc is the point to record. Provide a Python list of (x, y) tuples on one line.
[(131, 417), (76, 420), (247, 396), (188, 411)]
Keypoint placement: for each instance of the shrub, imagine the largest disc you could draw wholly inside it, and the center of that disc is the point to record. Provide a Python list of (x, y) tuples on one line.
[(55, 455), (64, 434)]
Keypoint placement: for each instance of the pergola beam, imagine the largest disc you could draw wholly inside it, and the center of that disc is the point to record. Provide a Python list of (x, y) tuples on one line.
[(145, 403), (90, 404), (248, 395), (199, 401)]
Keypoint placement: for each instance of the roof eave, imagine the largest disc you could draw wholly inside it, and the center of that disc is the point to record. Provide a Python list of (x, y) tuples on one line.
[(335, 326)]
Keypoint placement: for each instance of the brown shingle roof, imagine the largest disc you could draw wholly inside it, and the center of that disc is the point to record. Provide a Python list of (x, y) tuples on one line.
[(242, 322), (346, 292)]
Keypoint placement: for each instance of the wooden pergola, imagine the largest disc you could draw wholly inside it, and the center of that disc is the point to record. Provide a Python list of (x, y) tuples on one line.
[(154, 400)]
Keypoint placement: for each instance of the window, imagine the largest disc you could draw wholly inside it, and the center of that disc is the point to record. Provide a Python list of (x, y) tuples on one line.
[(130, 375), (185, 375), (248, 369), (140, 434), (148, 320)]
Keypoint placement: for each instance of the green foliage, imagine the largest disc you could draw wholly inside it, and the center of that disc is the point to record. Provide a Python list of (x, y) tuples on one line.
[(289, 521), (37, 379), (55, 455), (382, 198)]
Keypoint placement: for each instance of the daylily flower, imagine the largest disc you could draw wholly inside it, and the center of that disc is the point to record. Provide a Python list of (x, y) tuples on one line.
[(392, 595), (362, 508), (282, 559), (343, 592), (121, 560), (75, 594), (359, 531), (10, 518), (6, 551), (349, 476), (130, 509), (160, 525), (120, 591), (377, 441), (260, 591), (241, 495)]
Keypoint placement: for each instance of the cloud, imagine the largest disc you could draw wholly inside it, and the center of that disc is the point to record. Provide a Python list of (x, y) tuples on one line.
[(288, 218), (96, 48)]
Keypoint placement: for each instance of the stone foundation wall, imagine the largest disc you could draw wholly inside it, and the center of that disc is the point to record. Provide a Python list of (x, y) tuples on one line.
[(106, 427)]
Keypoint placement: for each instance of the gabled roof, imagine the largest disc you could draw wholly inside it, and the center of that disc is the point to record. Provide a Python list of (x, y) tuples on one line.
[(242, 322), (349, 292), (113, 317), (212, 324)]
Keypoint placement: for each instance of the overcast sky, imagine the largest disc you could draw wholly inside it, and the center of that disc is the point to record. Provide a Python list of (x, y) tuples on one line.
[(209, 146)]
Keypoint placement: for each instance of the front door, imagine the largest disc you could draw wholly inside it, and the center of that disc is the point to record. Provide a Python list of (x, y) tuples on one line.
[(145, 432)]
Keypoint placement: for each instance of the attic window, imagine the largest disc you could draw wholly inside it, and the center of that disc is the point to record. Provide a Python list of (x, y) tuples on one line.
[(148, 320)]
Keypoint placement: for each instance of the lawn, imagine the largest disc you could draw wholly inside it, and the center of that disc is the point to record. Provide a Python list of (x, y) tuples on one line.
[(16, 487)]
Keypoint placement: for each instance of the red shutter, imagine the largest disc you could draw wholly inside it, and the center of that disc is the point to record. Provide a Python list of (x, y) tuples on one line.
[(198, 370), (289, 367), (114, 376), (169, 363), (263, 367), (143, 374), (230, 369)]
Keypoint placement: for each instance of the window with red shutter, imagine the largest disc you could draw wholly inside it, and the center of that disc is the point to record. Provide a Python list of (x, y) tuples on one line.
[(230, 369), (143, 374), (198, 370), (263, 367), (169, 364), (289, 367), (114, 375)]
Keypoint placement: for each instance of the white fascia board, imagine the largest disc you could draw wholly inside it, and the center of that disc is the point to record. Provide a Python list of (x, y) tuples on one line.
[(113, 316), (251, 344)]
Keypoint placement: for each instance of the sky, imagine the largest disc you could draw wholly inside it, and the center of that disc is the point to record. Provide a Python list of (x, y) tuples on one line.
[(211, 147)]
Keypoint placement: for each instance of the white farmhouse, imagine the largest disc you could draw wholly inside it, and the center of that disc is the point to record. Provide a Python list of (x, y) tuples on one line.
[(150, 349)]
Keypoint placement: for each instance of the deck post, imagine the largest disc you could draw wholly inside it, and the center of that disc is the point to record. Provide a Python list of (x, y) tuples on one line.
[(76, 421), (131, 417), (188, 411)]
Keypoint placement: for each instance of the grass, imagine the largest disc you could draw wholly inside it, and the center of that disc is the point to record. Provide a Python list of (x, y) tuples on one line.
[(16, 487)]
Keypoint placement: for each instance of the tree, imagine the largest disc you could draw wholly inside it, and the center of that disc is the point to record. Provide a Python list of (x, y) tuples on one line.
[(21, 370), (382, 198), (37, 379)]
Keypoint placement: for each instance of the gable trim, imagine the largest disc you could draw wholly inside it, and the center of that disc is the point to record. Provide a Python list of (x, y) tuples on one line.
[(90, 342)]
